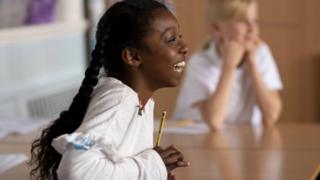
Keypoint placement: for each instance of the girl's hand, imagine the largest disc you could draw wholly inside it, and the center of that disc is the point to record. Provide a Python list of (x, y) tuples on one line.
[(171, 157), (171, 176), (232, 53)]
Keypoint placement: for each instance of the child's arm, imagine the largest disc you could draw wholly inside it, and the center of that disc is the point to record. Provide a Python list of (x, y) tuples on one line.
[(268, 100), (105, 163), (214, 109)]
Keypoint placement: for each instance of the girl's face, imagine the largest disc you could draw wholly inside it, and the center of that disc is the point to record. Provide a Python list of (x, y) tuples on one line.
[(244, 31), (163, 62)]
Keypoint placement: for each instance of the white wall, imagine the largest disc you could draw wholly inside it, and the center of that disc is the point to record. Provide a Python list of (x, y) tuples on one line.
[(42, 60)]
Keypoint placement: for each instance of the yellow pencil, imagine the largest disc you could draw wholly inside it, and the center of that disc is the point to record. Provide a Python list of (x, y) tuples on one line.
[(163, 118)]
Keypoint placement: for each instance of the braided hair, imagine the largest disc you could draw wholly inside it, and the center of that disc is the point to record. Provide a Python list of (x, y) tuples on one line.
[(125, 24)]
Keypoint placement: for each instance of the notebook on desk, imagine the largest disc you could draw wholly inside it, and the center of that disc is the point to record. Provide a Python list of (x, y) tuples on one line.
[(186, 126)]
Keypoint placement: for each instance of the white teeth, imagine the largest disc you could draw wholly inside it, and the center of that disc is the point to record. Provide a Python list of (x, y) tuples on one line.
[(179, 66)]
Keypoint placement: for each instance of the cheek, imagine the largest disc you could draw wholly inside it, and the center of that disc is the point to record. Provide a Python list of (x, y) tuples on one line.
[(241, 30), (240, 33), (227, 34), (168, 56), (236, 32), (172, 55), (165, 59)]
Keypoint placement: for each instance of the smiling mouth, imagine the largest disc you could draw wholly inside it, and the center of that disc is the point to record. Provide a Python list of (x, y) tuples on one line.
[(178, 67)]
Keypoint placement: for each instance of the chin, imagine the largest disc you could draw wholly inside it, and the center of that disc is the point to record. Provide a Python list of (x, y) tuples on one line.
[(172, 83), (176, 82)]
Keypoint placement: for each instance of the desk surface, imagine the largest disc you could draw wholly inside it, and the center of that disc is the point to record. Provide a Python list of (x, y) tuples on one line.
[(285, 136), (287, 151)]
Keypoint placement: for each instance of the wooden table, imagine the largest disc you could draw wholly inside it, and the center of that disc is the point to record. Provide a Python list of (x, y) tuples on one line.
[(289, 151), (285, 152), (17, 144)]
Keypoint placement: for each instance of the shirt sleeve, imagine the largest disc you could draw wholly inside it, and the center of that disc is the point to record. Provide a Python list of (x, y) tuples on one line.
[(98, 164), (268, 68), (91, 152)]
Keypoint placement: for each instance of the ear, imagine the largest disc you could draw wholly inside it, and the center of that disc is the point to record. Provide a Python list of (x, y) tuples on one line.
[(130, 56)]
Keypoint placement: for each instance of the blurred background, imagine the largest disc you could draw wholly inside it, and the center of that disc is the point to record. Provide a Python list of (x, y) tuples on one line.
[(45, 47), (291, 28)]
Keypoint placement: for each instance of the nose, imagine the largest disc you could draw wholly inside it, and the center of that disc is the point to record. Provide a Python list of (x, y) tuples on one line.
[(183, 47)]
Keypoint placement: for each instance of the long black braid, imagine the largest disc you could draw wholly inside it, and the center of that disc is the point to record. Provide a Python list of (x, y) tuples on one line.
[(67, 123), (125, 24)]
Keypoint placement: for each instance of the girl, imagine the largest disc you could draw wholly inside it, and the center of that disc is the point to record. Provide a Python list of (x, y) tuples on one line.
[(107, 133), (234, 79)]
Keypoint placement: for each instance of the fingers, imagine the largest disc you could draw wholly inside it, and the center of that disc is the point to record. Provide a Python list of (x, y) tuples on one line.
[(172, 157), (158, 149), (171, 146), (169, 152), (171, 176), (177, 164), (177, 153), (183, 163), (169, 155)]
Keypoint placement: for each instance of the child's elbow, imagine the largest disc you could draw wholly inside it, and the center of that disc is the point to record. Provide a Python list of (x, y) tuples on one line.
[(214, 122), (215, 126), (272, 116), (269, 122)]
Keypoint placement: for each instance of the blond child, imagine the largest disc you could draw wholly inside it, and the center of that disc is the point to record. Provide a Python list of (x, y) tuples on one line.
[(235, 78)]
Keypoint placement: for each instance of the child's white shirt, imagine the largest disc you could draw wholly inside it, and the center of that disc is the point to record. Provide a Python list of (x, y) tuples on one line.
[(114, 141), (202, 77)]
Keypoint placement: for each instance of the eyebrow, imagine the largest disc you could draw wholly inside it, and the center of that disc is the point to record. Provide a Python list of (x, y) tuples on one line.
[(166, 30)]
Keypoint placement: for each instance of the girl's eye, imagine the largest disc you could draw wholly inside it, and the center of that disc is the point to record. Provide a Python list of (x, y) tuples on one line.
[(172, 39)]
